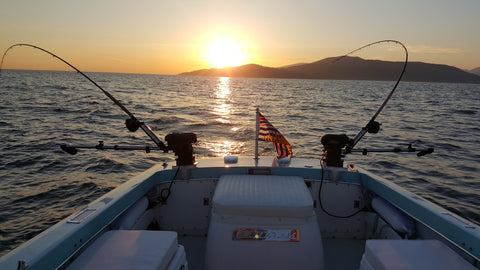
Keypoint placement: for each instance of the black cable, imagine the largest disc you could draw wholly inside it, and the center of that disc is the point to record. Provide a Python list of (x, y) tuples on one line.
[(163, 198), (320, 196)]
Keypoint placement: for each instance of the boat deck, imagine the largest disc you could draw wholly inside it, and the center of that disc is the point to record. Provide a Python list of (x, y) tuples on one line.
[(343, 241), (195, 249), (338, 253), (205, 208)]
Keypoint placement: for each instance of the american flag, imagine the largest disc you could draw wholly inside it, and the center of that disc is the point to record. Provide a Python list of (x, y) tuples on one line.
[(267, 132)]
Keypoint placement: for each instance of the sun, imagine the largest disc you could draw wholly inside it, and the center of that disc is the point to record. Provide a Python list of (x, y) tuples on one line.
[(225, 53)]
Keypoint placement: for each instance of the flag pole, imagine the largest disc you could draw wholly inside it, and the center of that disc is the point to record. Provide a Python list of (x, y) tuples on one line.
[(257, 128)]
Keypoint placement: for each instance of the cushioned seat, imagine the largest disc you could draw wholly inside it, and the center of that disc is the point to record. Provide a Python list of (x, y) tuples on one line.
[(262, 195), (121, 249), (411, 255), (263, 222)]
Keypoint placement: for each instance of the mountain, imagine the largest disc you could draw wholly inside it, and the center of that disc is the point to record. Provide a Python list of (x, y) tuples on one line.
[(348, 68), (293, 65), (249, 71), (476, 71)]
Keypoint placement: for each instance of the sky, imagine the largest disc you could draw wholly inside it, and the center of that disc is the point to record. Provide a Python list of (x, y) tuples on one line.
[(174, 36)]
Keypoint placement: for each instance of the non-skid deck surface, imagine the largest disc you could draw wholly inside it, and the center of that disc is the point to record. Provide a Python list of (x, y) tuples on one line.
[(195, 249), (343, 254)]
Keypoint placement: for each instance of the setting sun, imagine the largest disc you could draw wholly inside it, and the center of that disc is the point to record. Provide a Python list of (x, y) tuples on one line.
[(225, 53)]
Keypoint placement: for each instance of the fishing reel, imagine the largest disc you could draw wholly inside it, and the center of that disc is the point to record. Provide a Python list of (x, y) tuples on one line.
[(372, 127), (132, 124)]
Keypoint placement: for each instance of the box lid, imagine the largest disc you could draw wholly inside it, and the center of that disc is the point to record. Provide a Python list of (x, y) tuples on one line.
[(122, 249), (262, 195), (413, 254)]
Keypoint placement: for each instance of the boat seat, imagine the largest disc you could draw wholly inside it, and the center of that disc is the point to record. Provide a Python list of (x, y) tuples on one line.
[(263, 222), (411, 255), (262, 195), (127, 249)]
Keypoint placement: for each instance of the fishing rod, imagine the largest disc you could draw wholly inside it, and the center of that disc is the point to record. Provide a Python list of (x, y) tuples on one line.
[(337, 145), (372, 126), (132, 123)]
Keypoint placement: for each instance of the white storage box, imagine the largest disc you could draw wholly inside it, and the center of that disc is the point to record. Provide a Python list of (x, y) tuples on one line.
[(411, 255), (122, 249), (263, 222), (179, 260)]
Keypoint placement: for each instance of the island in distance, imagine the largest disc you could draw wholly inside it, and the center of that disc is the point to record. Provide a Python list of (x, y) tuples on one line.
[(347, 68), (475, 71)]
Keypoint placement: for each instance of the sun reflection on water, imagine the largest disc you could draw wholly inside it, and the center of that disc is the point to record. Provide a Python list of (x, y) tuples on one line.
[(223, 107), (222, 110), (224, 148)]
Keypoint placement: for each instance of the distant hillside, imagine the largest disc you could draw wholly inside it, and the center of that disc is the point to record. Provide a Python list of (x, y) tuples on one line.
[(348, 68), (249, 71), (475, 71)]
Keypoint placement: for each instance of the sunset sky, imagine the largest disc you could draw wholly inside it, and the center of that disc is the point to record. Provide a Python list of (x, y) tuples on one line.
[(173, 36)]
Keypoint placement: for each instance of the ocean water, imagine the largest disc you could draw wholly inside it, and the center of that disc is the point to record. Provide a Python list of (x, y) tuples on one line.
[(39, 110)]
